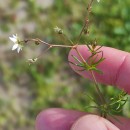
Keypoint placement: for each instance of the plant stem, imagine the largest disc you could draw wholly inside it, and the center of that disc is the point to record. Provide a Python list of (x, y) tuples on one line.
[(80, 55), (63, 46), (86, 23), (94, 79), (48, 44), (98, 89)]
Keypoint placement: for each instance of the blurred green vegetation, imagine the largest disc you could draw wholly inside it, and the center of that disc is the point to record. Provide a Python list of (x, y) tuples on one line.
[(26, 90)]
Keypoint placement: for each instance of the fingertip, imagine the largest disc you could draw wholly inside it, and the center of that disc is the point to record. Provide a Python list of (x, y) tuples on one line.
[(56, 119), (41, 120), (61, 119), (48, 119), (93, 122)]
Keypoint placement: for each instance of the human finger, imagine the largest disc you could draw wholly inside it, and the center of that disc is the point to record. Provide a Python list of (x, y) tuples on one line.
[(57, 119), (115, 67), (61, 119)]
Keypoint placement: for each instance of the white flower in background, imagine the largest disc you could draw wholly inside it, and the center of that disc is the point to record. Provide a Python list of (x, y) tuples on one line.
[(98, 0), (31, 61), (16, 42)]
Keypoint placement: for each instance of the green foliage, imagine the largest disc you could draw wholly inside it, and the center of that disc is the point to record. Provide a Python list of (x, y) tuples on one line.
[(112, 106)]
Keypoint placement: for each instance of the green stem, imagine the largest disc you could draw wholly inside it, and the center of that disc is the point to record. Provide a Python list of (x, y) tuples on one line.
[(98, 89), (63, 46), (86, 23), (94, 79)]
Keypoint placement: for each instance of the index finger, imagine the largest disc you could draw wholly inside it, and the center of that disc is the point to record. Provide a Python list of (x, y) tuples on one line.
[(115, 67)]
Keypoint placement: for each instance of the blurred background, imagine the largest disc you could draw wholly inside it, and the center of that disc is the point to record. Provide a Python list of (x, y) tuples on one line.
[(26, 90)]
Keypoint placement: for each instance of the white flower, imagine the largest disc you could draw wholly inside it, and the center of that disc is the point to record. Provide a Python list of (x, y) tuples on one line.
[(16, 45), (98, 0), (31, 61)]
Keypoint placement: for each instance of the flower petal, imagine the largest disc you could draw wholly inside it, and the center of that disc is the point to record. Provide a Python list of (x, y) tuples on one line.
[(15, 36), (15, 46), (19, 48), (13, 39)]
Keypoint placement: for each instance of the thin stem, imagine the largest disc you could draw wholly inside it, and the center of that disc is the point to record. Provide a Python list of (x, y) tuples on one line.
[(48, 44), (102, 99), (94, 79), (80, 55), (86, 23), (63, 46), (36, 40), (97, 87)]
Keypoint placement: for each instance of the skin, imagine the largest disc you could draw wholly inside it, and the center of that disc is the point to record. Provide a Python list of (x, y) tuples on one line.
[(116, 72)]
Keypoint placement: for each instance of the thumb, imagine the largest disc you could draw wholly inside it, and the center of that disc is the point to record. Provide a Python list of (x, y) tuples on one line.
[(93, 122)]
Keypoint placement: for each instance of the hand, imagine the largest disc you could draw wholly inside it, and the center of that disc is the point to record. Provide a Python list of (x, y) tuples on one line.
[(116, 71)]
